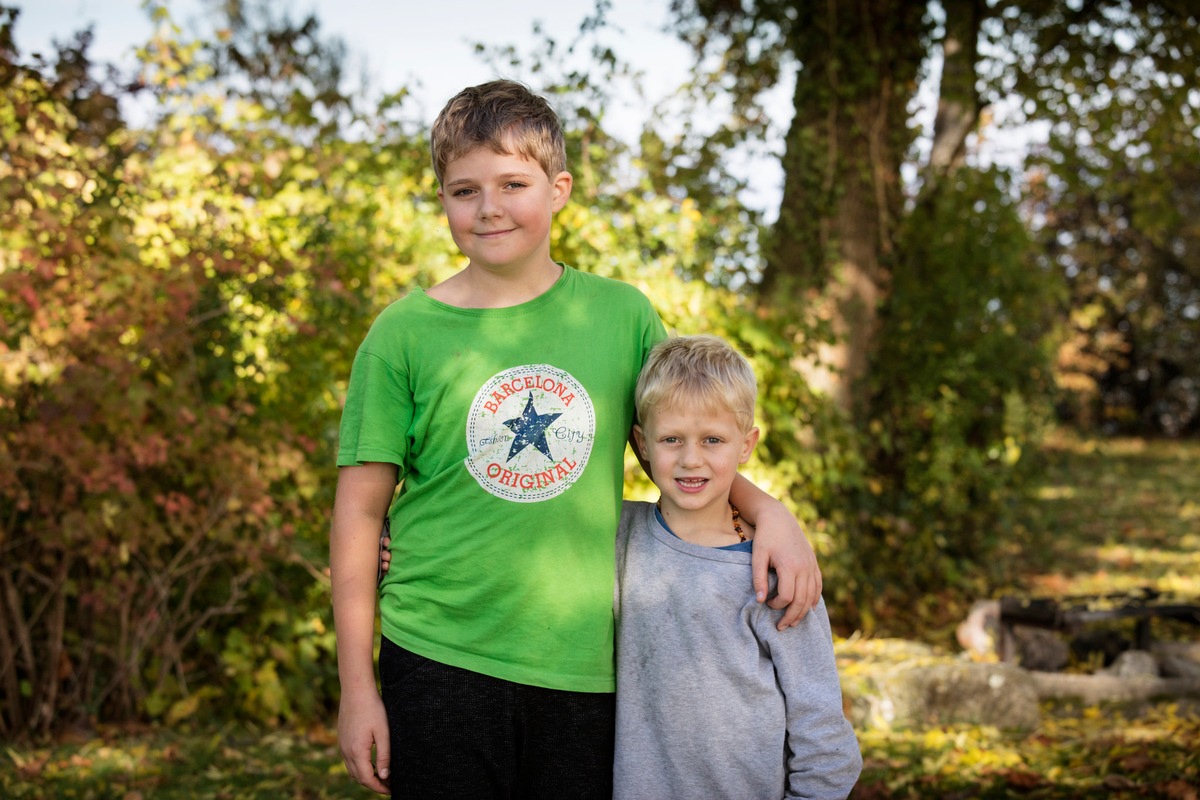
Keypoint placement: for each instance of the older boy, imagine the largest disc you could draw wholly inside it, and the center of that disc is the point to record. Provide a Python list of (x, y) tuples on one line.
[(712, 699), (502, 398)]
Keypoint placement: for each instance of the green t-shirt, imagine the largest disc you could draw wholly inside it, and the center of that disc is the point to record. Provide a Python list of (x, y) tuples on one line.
[(509, 427)]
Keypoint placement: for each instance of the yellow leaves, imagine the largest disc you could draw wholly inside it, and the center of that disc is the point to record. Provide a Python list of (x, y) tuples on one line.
[(52, 335), (184, 709), (1012, 450), (268, 692), (1084, 752), (72, 180), (29, 765), (31, 362), (109, 514)]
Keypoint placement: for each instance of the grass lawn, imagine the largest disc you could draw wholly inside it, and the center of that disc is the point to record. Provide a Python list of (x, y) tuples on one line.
[(1126, 515), (226, 763)]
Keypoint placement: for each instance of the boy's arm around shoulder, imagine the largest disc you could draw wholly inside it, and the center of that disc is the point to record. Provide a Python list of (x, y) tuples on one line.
[(824, 760), (364, 493), (779, 543)]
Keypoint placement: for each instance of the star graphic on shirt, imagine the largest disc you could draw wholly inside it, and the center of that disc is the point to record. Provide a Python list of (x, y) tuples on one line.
[(530, 429)]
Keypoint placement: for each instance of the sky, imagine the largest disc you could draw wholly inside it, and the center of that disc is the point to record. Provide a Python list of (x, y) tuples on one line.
[(426, 45)]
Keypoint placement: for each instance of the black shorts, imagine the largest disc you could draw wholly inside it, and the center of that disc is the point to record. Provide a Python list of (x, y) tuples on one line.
[(457, 733)]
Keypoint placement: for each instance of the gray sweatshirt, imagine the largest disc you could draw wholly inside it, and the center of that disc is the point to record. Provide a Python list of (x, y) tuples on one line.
[(712, 701)]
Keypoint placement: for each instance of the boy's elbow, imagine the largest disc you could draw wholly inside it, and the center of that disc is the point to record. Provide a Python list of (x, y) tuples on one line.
[(831, 775)]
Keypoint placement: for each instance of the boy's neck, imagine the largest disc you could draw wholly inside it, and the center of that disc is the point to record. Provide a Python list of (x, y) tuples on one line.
[(477, 287), (711, 526)]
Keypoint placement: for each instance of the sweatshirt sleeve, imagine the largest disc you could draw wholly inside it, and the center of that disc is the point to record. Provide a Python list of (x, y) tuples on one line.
[(823, 757)]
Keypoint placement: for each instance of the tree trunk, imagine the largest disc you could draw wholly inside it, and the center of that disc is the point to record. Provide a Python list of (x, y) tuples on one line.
[(958, 101), (841, 199)]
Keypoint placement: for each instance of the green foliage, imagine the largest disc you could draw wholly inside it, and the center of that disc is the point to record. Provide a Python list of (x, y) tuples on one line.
[(179, 306), (1116, 192), (960, 389)]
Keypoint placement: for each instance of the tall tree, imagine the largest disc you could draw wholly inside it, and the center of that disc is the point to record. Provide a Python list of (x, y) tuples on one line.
[(856, 68), (842, 189)]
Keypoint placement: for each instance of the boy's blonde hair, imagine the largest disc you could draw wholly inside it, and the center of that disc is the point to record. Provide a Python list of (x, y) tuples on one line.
[(700, 372), (505, 116)]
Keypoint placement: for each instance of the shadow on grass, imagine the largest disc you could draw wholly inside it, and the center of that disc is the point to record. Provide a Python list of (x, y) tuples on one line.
[(1123, 514)]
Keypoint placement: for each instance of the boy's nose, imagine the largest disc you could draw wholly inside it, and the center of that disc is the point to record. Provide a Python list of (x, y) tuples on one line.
[(690, 457), (488, 207)]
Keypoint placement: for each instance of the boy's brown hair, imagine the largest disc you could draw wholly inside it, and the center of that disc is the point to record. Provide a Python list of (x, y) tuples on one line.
[(505, 116)]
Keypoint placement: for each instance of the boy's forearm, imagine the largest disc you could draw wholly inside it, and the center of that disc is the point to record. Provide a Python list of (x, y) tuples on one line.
[(352, 574), (363, 495), (752, 502)]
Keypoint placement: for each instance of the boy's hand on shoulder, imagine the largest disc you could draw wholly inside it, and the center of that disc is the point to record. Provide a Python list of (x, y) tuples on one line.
[(362, 725), (780, 544), (798, 589)]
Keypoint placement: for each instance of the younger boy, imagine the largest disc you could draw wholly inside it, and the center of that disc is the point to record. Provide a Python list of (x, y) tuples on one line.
[(712, 699), (502, 398)]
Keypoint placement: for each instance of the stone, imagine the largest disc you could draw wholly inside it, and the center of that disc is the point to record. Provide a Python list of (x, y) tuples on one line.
[(1133, 664), (945, 692), (1178, 659)]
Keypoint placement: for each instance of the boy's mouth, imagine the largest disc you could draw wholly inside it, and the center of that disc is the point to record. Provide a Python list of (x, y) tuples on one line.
[(691, 485)]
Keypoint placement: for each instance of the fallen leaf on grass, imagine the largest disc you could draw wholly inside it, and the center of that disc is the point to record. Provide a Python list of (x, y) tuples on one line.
[(1138, 762), (30, 766), (1178, 790), (1021, 779), (1115, 783), (322, 735)]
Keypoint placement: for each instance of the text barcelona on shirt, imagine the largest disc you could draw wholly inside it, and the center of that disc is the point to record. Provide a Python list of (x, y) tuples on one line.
[(530, 433)]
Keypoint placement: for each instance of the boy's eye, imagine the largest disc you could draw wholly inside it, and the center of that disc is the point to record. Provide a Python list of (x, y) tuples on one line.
[(670, 440), (712, 439), (462, 192), (514, 185)]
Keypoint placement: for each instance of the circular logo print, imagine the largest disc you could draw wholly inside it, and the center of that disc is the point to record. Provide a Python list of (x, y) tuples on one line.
[(529, 433)]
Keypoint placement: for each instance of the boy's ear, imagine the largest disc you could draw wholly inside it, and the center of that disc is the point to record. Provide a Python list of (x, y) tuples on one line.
[(562, 184), (640, 438), (748, 445)]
